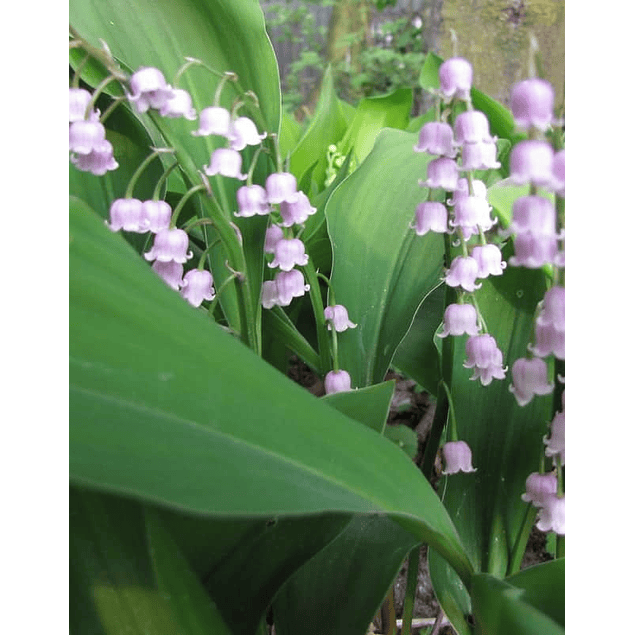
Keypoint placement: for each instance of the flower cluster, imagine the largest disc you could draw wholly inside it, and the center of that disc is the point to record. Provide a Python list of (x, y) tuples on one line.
[(537, 226), (90, 150), (462, 148)]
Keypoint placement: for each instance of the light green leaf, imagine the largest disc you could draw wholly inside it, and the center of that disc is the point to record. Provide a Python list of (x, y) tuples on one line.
[(167, 407), (327, 126), (372, 115), (382, 270)]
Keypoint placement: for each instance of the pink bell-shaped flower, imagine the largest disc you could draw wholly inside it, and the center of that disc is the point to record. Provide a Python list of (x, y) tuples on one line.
[(290, 284), (489, 259), (436, 138), (156, 215), (288, 253), (529, 378), (431, 216), (149, 89), (472, 126), (479, 156), (226, 162), (552, 310), (531, 162), (538, 487), (197, 286), (171, 272), (479, 189), (127, 214), (442, 173), (548, 341), (78, 100), (281, 186), (557, 184), (535, 215), (455, 78), (296, 212), (532, 104), (484, 356), (337, 381), (555, 442), (170, 244), (463, 273), (179, 104), (459, 319), (84, 136), (243, 133), (534, 251), (337, 315), (213, 120), (272, 236), (98, 161), (551, 514), (470, 213), (269, 297), (252, 201), (457, 457)]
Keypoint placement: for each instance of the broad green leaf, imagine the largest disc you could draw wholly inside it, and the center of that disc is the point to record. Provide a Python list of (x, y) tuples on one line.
[(417, 356), (167, 407), (290, 134), (340, 590), (124, 582), (382, 270), (500, 609), (243, 562), (370, 406), (544, 587), (326, 127), (372, 115)]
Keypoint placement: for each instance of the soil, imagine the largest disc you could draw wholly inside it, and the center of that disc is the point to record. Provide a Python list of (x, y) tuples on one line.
[(416, 410)]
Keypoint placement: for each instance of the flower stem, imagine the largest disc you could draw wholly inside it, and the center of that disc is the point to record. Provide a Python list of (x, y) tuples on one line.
[(318, 312), (141, 168), (411, 590)]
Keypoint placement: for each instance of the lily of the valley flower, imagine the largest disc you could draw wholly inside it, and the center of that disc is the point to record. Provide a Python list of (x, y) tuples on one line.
[(458, 457)]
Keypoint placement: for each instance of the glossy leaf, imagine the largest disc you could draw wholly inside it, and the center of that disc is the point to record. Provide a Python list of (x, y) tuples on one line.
[(500, 609), (358, 566), (167, 407), (382, 270), (372, 115)]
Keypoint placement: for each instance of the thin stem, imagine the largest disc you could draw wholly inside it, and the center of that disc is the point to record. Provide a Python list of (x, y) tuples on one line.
[(520, 545), (111, 108), (184, 199), (559, 546), (454, 431), (78, 71), (98, 90), (214, 302), (162, 179), (141, 168)]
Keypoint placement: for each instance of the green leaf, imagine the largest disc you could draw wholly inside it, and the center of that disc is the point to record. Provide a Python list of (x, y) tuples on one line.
[(122, 583), (544, 586), (327, 127), (371, 116), (500, 609), (340, 590), (167, 407), (404, 437), (370, 406), (417, 356), (382, 270)]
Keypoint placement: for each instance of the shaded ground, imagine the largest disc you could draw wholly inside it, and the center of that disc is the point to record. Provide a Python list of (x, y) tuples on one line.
[(416, 410)]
